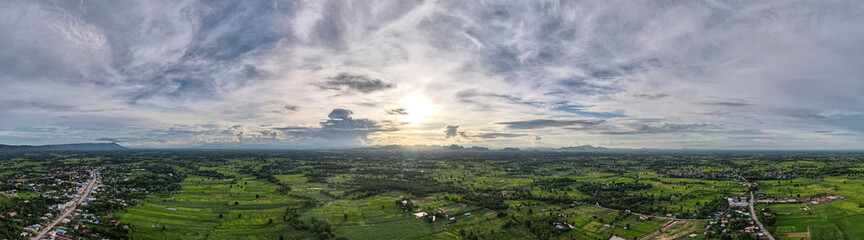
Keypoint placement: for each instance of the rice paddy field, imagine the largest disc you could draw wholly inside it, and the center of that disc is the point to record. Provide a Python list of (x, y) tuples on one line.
[(246, 206), (463, 195), (840, 219)]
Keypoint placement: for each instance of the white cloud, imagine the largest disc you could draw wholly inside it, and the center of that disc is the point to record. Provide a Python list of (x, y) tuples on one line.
[(780, 67)]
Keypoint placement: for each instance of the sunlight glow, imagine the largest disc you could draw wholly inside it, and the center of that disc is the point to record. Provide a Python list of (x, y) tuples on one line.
[(418, 107)]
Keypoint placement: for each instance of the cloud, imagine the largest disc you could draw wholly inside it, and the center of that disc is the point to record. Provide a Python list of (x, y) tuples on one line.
[(397, 111), (340, 114), (343, 130), (352, 82), (109, 139), (498, 135), (728, 104), (451, 131), (637, 129), (651, 96), (548, 123), (349, 124), (52, 107), (290, 107), (290, 128), (157, 72)]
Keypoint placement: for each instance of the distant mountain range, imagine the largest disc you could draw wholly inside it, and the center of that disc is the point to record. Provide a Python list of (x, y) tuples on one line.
[(454, 147), (585, 148), (64, 147)]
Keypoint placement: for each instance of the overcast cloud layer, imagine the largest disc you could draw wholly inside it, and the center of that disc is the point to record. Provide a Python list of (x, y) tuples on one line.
[(313, 74)]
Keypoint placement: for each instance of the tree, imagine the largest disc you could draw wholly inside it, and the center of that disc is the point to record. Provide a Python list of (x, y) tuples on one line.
[(743, 236)]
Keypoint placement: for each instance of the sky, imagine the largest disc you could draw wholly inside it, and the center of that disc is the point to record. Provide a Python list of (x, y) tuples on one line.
[(530, 74)]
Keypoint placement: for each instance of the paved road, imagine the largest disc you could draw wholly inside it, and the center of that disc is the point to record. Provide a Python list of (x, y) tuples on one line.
[(91, 185), (756, 218)]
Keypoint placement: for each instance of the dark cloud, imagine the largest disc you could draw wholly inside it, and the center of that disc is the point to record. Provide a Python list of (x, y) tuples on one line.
[(349, 123), (341, 119), (109, 139), (452, 131), (52, 106), (341, 129), (352, 82), (290, 107), (547, 123), (728, 104), (397, 111), (290, 128), (340, 113), (651, 96)]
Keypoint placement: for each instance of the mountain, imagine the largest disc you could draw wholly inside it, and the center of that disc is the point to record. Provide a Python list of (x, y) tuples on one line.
[(584, 148), (64, 147)]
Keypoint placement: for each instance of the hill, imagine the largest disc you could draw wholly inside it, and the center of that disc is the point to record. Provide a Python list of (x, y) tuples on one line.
[(64, 147)]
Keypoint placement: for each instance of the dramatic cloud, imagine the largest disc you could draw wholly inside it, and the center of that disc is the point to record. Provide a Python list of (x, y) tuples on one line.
[(397, 111), (750, 74), (350, 82), (340, 114), (341, 119), (451, 131)]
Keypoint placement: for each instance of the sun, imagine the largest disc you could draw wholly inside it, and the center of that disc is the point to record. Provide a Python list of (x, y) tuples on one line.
[(419, 108)]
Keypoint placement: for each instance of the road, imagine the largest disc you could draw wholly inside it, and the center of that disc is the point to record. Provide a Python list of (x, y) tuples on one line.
[(660, 217), (91, 185), (756, 217), (660, 231)]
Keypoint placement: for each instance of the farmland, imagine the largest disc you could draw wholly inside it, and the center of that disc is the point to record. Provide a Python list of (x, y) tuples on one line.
[(424, 194)]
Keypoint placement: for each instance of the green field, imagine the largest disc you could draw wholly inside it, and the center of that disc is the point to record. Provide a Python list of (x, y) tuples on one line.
[(194, 212)]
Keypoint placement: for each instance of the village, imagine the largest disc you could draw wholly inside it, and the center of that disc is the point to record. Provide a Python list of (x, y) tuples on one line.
[(64, 203)]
